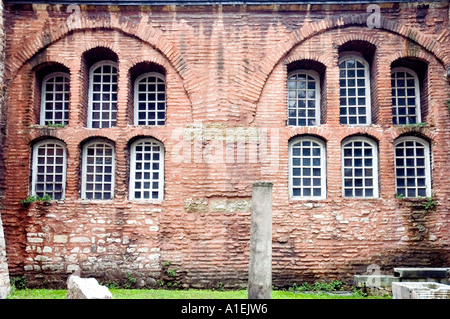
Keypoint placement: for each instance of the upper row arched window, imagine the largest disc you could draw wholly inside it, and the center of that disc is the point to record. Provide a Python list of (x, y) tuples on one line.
[(354, 86), (102, 109), (149, 102), (304, 93), (55, 99)]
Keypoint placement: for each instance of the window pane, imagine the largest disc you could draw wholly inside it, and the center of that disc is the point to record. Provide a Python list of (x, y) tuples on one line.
[(49, 166), (410, 163), (103, 96), (405, 102), (151, 101), (306, 162), (55, 101), (353, 90), (98, 171), (358, 167), (146, 170), (302, 94)]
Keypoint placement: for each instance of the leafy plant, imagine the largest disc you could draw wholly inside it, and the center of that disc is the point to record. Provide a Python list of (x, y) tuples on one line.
[(399, 196), (34, 198), (334, 285), (421, 124), (19, 282), (112, 285), (430, 204), (131, 282), (172, 272), (55, 125)]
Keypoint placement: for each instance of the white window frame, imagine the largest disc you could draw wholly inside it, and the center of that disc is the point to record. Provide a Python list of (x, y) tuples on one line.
[(91, 93), (161, 173), (43, 120), (137, 101), (427, 155), (316, 78), (35, 166), (323, 177), (417, 93), (351, 55), (84, 169), (375, 165)]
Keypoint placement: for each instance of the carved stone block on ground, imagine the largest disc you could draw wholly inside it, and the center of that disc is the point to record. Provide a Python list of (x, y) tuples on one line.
[(86, 288)]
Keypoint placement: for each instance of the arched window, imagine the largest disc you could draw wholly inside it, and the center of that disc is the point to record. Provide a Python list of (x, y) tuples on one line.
[(102, 111), (359, 167), (307, 172), (98, 170), (405, 97), (49, 169), (55, 99), (354, 90), (412, 167), (150, 99), (147, 170), (303, 98)]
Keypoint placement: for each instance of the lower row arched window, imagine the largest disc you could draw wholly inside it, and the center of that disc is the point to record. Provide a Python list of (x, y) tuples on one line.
[(359, 158), (49, 163), (307, 168)]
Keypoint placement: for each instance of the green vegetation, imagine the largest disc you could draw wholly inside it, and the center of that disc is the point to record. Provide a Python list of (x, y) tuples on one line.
[(318, 290), (34, 198), (335, 285), (429, 204), (182, 294), (55, 125)]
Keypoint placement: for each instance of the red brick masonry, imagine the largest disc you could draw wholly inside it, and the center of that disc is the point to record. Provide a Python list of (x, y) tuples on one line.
[(226, 70)]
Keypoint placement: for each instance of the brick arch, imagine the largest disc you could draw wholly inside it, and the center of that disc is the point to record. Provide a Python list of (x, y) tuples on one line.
[(146, 58), (315, 131), (256, 83), (326, 61), (136, 134), (138, 137), (46, 60), (318, 136), (411, 53), (36, 138), (356, 37), (421, 132), (86, 47), (369, 135)]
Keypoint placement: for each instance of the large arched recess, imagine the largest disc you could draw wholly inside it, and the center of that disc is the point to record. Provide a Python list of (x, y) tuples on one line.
[(59, 30), (280, 50)]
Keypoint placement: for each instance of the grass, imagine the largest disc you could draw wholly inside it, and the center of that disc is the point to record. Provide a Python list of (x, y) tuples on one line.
[(180, 294)]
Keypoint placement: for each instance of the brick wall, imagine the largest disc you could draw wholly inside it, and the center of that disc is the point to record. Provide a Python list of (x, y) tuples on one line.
[(226, 70)]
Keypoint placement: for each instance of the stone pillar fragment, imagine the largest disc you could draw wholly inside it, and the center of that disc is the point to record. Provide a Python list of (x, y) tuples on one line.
[(260, 263)]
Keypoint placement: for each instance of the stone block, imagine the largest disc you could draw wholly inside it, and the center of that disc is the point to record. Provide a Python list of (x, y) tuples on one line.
[(374, 281), (86, 288), (420, 290)]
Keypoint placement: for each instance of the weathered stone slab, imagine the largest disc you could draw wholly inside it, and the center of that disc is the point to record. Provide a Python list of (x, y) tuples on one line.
[(420, 290), (86, 288), (422, 272)]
